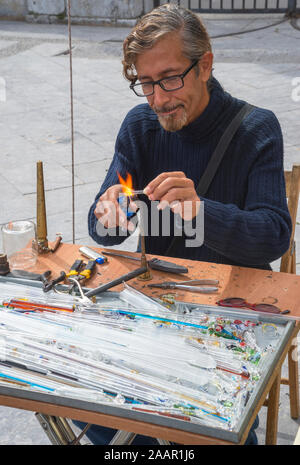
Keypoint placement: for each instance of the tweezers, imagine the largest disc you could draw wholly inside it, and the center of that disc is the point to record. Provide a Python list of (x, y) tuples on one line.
[(190, 285)]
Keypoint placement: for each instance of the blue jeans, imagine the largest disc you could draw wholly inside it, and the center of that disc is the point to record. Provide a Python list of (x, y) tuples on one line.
[(252, 438), (100, 435)]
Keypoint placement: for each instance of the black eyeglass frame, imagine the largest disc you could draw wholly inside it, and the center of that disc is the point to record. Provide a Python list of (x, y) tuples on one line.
[(160, 81)]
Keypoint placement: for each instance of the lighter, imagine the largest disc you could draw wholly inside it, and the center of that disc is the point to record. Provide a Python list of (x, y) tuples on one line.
[(90, 253), (124, 204)]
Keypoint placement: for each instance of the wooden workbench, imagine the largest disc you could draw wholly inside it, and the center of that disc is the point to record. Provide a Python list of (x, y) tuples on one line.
[(253, 285), (256, 286)]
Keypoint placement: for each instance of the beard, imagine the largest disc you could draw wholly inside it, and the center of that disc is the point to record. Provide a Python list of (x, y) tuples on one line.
[(173, 122)]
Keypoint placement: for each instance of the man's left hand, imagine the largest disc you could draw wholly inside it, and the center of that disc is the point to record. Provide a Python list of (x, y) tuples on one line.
[(175, 190)]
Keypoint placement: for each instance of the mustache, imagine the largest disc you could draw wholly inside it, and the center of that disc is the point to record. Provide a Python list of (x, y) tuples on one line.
[(165, 109)]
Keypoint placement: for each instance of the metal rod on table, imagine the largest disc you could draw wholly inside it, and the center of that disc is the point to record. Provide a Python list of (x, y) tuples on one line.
[(115, 282)]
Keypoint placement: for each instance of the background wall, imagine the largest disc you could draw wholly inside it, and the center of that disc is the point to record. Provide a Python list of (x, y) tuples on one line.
[(123, 12)]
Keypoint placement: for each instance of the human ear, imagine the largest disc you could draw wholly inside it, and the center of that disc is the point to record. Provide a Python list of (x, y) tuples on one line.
[(205, 65)]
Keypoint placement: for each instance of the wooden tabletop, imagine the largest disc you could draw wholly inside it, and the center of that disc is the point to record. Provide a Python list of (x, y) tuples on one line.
[(256, 286)]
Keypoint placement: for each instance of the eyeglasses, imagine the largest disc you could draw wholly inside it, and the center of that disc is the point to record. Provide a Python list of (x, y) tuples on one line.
[(145, 89), (241, 303)]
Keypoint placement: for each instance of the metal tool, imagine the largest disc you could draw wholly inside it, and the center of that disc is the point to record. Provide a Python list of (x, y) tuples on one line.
[(74, 270), (40, 244), (50, 284), (154, 263), (83, 299), (115, 282), (23, 274), (87, 271), (190, 285), (72, 273), (144, 262), (80, 271)]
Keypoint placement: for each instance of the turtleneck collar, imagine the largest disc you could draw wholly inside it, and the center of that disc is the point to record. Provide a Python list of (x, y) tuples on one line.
[(205, 124)]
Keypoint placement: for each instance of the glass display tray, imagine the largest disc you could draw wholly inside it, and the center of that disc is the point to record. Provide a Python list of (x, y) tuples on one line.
[(284, 328)]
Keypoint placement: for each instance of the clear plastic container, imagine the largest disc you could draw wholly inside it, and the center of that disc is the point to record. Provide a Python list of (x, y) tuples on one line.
[(17, 237)]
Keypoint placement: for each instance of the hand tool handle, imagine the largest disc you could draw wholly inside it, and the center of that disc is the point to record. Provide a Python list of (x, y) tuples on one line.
[(115, 282), (44, 277), (204, 290), (75, 268), (48, 286), (192, 282), (162, 265), (154, 263), (29, 275), (86, 273)]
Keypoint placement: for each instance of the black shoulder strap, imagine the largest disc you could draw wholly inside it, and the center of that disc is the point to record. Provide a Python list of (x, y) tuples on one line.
[(217, 156), (221, 148)]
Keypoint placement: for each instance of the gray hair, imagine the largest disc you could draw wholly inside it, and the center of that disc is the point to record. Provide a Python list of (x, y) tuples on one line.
[(156, 24)]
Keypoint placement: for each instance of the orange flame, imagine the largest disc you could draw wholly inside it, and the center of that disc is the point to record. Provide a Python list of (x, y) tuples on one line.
[(126, 185)]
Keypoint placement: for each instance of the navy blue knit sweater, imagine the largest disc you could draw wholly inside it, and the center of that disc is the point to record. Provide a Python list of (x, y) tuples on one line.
[(246, 219)]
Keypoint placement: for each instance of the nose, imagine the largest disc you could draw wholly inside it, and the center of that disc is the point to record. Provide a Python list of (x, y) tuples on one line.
[(160, 97)]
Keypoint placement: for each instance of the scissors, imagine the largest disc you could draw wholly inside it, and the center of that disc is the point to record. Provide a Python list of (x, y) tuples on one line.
[(191, 285)]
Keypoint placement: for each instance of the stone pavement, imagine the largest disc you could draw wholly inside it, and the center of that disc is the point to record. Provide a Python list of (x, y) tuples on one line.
[(261, 67)]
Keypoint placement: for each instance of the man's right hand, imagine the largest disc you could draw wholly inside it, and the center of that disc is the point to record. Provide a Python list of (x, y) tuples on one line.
[(108, 210)]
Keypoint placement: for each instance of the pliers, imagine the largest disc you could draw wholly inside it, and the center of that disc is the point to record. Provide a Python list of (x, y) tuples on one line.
[(48, 285), (76, 274), (80, 271), (190, 285), (74, 270)]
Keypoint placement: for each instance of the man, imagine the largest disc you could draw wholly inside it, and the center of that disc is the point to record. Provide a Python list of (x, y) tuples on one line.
[(166, 144)]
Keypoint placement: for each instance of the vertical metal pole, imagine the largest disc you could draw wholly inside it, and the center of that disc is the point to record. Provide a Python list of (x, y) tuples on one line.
[(72, 119), (147, 275), (292, 4)]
